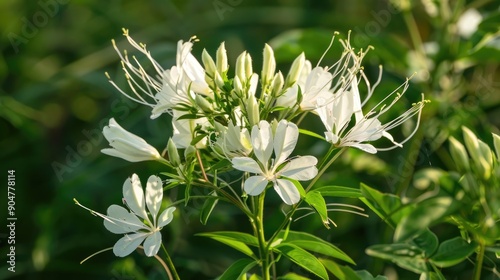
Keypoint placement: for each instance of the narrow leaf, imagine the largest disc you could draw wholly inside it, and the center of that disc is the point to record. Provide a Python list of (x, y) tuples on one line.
[(339, 191), (237, 269), (310, 133), (407, 256), (339, 271), (302, 258), (317, 202), (208, 207)]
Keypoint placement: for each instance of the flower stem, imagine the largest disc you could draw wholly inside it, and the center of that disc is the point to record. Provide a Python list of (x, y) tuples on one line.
[(263, 248), (479, 261), (170, 268)]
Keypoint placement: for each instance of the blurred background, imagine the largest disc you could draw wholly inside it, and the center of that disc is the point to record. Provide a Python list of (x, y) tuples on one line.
[(55, 99)]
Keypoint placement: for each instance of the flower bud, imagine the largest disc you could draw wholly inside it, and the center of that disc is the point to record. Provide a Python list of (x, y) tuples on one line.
[(209, 63), (240, 67), (221, 63), (295, 70), (203, 104), (459, 155), (190, 153), (248, 65), (252, 108), (496, 143), (472, 143), (173, 154), (278, 83), (268, 66)]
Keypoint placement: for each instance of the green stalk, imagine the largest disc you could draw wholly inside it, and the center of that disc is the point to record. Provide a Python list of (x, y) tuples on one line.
[(172, 273), (479, 260), (263, 245)]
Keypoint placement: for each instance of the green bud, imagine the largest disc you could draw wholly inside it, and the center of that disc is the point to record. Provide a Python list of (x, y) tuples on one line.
[(278, 83), (252, 110), (295, 70), (209, 63), (472, 143), (486, 153), (204, 105), (222, 65), (190, 153), (238, 87), (496, 143), (268, 66), (459, 155), (173, 154), (248, 66), (240, 67)]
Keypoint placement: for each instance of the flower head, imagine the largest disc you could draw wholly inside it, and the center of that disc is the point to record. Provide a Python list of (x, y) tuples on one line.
[(279, 169), (127, 145), (338, 111), (136, 223)]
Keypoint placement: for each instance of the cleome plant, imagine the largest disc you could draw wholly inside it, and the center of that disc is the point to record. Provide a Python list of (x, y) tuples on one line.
[(245, 126)]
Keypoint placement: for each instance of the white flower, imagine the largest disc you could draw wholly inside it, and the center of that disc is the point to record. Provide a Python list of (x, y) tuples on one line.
[(137, 224), (184, 131), (164, 89), (233, 140), (127, 145), (468, 22), (337, 113), (277, 169)]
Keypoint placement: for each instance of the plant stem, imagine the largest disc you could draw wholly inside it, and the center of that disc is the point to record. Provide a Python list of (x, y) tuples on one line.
[(479, 260), (263, 248), (172, 273)]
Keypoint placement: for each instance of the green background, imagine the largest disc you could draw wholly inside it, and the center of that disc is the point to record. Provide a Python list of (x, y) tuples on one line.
[(55, 99)]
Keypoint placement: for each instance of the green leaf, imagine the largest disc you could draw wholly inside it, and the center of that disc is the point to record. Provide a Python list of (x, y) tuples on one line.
[(339, 271), (453, 251), (407, 256), (427, 241), (237, 269), (220, 164), (365, 275), (386, 206), (310, 133), (315, 244), (316, 201), (339, 191), (208, 207), (236, 240), (188, 117), (292, 276), (426, 213), (303, 258)]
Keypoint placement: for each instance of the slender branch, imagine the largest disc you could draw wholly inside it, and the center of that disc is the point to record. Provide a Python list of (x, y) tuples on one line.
[(172, 270), (479, 260)]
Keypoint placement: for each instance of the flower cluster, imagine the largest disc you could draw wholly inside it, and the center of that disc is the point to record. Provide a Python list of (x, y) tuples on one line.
[(216, 112)]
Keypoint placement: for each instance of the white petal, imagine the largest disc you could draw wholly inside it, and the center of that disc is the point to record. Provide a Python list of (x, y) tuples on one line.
[(365, 147), (127, 244), (255, 185), (152, 244), (287, 191), (154, 195), (389, 136), (262, 141), (166, 217), (300, 168), (127, 157), (356, 99), (285, 140), (120, 220), (134, 196), (246, 164)]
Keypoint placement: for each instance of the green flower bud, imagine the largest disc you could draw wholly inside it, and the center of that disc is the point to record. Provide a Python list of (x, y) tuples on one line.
[(173, 154), (240, 67), (496, 143), (278, 83), (295, 70), (190, 153), (459, 155), (222, 65), (252, 108), (209, 63), (248, 66), (472, 143), (268, 66), (203, 104)]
